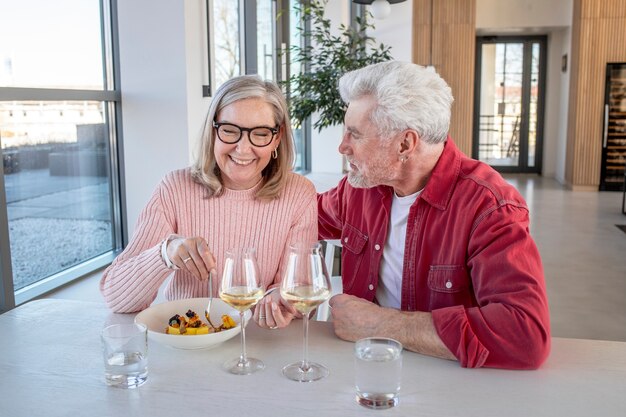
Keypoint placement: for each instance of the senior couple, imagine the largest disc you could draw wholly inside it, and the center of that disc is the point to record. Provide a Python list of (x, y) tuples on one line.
[(436, 254)]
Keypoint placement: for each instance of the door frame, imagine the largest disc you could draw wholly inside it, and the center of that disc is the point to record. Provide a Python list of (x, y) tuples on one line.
[(542, 40)]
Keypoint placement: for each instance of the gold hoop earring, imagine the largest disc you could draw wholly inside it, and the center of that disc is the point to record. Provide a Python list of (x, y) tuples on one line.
[(275, 153)]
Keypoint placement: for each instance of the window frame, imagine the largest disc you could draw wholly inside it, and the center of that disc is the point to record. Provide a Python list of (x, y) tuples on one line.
[(283, 68)]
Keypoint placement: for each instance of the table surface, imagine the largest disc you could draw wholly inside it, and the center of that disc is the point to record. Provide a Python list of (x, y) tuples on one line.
[(51, 364)]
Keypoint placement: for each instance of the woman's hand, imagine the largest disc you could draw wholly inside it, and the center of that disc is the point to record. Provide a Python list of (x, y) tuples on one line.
[(272, 312), (192, 254)]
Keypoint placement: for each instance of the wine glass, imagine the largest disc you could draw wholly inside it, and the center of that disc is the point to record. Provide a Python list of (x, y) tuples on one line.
[(240, 288), (305, 286)]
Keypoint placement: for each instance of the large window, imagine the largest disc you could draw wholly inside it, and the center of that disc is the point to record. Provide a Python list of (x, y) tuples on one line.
[(59, 184), (253, 37)]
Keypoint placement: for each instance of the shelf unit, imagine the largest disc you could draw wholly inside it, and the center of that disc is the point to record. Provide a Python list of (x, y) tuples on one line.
[(614, 134)]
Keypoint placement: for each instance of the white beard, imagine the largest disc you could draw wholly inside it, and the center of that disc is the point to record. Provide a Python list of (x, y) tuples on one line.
[(357, 180), (377, 171)]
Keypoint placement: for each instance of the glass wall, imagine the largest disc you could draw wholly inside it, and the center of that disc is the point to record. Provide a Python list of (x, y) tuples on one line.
[(58, 110)]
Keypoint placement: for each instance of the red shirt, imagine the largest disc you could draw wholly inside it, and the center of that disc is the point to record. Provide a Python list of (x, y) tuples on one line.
[(468, 258)]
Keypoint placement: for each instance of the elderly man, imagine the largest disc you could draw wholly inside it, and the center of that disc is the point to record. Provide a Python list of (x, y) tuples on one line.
[(436, 248)]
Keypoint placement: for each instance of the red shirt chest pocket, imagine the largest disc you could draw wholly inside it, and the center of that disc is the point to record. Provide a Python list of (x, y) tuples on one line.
[(353, 242), (449, 285)]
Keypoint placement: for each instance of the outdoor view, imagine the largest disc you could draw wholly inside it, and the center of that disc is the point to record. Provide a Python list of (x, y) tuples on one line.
[(55, 153), (56, 182), (226, 40), (501, 104)]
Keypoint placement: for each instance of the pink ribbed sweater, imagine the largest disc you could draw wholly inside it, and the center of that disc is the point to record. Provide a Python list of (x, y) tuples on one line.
[(235, 219)]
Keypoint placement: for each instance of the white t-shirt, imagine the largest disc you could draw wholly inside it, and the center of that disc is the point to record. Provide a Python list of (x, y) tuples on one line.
[(389, 291)]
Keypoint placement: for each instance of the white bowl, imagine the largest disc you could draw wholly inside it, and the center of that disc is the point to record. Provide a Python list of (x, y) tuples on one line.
[(156, 317)]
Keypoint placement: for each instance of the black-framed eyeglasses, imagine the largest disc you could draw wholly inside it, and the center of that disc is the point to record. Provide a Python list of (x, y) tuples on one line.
[(259, 136)]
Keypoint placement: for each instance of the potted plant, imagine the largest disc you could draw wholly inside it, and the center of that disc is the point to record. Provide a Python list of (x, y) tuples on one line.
[(326, 58)]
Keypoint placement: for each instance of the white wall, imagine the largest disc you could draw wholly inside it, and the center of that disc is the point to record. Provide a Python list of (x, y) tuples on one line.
[(523, 15), (557, 94), (161, 92), (396, 31), (197, 71), (325, 157), (561, 146)]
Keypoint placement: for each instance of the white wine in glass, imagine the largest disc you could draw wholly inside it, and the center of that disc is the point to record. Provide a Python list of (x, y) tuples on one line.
[(240, 288), (305, 298), (241, 298), (305, 286)]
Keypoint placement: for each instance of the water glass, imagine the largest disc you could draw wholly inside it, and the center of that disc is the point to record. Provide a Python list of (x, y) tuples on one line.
[(378, 369), (125, 350)]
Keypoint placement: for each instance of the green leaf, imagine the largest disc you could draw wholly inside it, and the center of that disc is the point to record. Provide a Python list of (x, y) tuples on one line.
[(328, 59)]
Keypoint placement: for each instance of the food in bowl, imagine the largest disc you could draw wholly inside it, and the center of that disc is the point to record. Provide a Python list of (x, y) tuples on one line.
[(190, 324)]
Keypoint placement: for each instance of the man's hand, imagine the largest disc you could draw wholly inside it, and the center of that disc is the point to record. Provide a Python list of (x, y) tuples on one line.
[(355, 318)]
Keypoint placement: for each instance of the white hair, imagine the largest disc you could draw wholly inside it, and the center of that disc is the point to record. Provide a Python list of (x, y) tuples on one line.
[(408, 96)]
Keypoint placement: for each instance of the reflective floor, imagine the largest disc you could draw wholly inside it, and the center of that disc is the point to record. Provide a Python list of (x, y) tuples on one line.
[(584, 256)]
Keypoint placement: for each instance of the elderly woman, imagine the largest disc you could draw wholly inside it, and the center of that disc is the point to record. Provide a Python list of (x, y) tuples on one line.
[(240, 192)]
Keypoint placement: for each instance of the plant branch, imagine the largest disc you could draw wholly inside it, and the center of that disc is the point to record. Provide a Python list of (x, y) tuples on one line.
[(327, 58)]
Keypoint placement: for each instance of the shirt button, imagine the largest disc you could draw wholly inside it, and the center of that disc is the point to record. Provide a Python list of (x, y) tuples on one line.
[(371, 287), (345, 239), (448, 285), (377, 246)]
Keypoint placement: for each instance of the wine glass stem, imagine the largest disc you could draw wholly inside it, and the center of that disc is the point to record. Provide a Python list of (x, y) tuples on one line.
[(305, 360), (243, 359)]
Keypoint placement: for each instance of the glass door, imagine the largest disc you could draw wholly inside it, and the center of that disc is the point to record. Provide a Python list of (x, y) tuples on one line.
[(509, 102)]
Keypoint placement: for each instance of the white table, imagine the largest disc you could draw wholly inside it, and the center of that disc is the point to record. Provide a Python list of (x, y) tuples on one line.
[(51, 365)]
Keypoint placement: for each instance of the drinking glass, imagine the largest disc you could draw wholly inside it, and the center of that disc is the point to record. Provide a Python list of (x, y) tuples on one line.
[(305, 286), (240, 287), (378, 372), (125, 350)]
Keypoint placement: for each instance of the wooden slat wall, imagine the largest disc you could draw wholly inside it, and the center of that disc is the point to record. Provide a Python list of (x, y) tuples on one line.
[(598, 37), (453, 44)]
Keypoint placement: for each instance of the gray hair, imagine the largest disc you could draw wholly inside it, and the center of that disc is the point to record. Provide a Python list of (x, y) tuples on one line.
[(205, 169), (408, 96)]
